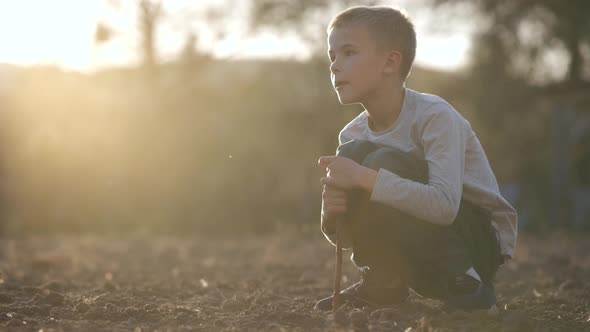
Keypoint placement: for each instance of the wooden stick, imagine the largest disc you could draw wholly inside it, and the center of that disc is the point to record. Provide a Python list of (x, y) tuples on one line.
[(338, 273)]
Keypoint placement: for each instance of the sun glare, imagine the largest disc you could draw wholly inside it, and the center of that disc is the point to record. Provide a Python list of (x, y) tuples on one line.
[(61, 32), (262, 46), (54, 32), (443, 52)]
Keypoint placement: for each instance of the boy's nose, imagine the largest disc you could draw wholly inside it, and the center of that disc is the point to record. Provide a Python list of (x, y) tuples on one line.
[(333, 67)]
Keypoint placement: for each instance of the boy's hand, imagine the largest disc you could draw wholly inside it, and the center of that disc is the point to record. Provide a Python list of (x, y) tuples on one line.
[(346, 174), (333, 202), (341, 172), (333, 206)]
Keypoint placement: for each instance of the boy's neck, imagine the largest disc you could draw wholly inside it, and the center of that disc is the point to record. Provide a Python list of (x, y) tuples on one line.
[(384, 108)]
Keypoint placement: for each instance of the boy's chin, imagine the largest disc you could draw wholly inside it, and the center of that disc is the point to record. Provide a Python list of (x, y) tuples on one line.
[(344, 100)]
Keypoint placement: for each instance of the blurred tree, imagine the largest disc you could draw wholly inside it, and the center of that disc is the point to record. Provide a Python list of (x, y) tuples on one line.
[(189, 51), (524, 50), (308, 18), (103, 33), (517, 45), (150, 13), (534, 35)]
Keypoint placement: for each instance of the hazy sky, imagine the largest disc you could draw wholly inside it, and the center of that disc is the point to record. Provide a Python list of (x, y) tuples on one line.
[(61, 32)]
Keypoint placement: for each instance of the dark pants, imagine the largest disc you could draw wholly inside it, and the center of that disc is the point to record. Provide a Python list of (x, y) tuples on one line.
[(390, 243)]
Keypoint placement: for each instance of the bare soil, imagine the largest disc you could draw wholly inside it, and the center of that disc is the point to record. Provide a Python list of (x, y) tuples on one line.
[(149, 282)]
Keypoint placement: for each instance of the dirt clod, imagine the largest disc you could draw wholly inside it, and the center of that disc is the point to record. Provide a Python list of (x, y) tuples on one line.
[(109, 286), (81, 307), (358, 318)]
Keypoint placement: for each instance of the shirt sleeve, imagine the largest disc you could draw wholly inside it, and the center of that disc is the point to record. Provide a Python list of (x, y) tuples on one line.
[(437, 201)]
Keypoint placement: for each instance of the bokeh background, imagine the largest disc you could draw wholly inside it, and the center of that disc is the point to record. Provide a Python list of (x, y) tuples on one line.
[(209, 116)]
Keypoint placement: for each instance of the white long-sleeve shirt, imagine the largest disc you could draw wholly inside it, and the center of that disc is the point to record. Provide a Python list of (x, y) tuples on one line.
[(430, 129)]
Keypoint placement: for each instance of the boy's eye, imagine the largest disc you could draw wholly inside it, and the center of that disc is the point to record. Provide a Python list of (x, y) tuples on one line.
[(348, 53)]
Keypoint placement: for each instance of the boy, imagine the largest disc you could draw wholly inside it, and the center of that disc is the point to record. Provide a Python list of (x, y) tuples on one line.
[(419, 203)]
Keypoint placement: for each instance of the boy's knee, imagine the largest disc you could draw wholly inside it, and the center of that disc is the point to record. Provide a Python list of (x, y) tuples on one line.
[(356, 150), (398, 162), (380, 158)]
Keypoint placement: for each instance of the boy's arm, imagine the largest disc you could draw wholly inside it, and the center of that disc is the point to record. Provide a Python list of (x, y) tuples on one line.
[(444, 150)]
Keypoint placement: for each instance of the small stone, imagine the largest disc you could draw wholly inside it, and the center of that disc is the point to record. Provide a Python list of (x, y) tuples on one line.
[(131, 312), (149, 307), (110, 307), (510, 306)]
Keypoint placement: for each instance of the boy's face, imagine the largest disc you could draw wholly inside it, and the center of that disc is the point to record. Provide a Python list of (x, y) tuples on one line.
[(357, 65)]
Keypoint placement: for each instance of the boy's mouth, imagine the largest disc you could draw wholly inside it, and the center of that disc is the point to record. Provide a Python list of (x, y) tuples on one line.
[(339, 84)]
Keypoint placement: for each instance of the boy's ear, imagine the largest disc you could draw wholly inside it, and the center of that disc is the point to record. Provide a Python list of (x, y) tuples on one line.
[(393, 62)]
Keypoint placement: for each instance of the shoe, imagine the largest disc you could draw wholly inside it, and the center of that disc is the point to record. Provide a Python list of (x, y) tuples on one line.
[(364, 294), (469, 294)]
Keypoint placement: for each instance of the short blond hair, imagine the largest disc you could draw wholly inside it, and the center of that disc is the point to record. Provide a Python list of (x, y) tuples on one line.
[(391, 28)]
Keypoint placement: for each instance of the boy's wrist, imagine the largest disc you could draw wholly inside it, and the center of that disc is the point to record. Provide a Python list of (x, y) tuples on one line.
[(367, 179)]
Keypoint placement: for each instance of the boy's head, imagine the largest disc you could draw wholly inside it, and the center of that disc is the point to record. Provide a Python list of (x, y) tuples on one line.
[(365, 43)]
